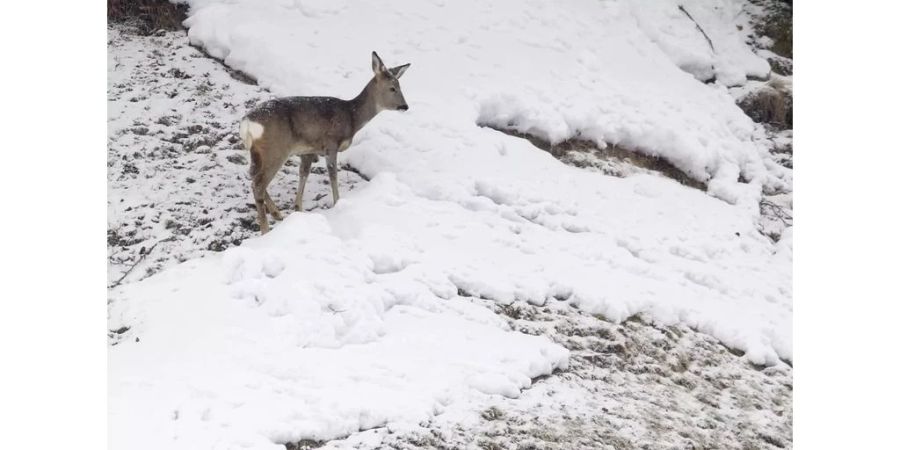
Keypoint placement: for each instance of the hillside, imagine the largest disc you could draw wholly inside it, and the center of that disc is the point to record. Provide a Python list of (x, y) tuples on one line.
[(624, 283)]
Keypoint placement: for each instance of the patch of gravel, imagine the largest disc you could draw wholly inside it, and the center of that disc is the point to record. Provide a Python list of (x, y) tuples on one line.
[(177, 173)]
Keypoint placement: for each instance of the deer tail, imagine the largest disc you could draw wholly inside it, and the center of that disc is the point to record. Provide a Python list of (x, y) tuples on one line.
[(249, 131)]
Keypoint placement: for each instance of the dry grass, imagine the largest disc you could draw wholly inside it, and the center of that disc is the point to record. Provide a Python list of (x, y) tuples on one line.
[(611, 152), (769, 106), (778, 24), (147, 16)]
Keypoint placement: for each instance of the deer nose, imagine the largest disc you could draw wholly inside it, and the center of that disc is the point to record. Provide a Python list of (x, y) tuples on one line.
[(403, 107)]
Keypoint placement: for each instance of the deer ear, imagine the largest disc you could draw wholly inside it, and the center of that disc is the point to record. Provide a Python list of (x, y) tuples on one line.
[(377, 65), (397, 72)]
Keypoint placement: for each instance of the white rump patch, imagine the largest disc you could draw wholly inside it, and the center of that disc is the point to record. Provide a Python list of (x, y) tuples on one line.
[(250, 131)]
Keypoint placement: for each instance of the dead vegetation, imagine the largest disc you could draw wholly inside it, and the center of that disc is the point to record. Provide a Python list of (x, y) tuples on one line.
[(147, 16), (584, 153), (304, 444), (777, 23), (771, 106)]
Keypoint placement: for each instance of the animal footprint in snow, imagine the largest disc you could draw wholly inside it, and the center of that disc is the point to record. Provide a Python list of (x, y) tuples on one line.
[(273, 266), (250, 291), (248, 265), (239, 264)]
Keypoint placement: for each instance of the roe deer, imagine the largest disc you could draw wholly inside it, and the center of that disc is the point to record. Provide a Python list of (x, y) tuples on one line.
[(312, 126)]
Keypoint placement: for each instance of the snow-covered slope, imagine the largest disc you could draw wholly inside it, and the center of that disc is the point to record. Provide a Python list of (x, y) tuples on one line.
[(681, 28), (289, 337), (586, 69), (349, 318)]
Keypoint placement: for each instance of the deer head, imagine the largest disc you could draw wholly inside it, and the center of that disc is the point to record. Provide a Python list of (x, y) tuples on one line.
[(387, 85)]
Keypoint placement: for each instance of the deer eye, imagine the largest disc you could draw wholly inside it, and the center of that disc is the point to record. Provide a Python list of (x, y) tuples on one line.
[(393, 89)]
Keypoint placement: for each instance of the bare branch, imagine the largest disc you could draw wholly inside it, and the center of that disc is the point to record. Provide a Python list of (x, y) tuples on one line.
[(143, 256), (708, 40)]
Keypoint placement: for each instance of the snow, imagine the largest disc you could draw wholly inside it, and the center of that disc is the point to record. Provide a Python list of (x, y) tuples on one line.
[(729, 60), (590, 70), (354, 317), (229, 356), (628, 386)]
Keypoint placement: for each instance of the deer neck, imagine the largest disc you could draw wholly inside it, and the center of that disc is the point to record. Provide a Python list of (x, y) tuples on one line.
[(364, 106)]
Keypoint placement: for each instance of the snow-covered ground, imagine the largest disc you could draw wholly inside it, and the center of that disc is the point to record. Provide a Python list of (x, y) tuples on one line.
[(390, 311), (176, 171)]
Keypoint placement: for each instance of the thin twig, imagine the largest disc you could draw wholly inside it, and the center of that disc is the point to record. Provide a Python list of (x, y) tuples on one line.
[(708, 40), (143, 256), (778, 212), (236, 74), (350, 168), (335, 310)]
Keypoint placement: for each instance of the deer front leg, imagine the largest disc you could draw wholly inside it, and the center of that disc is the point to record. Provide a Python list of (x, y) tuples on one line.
[(305, 163), (331, 162)]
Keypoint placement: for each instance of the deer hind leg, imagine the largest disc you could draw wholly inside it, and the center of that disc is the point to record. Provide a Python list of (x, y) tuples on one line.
[(305, 163), (331, 162), (261, 175), (270, 206)]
